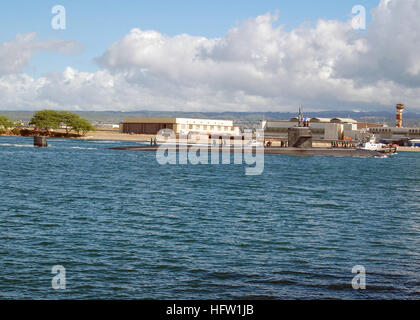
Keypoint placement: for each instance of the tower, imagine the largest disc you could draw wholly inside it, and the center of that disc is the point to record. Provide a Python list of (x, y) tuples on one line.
[(399, 115), (300, 136)]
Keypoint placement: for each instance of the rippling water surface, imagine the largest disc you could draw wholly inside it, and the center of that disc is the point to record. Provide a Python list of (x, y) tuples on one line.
[(125, 227)]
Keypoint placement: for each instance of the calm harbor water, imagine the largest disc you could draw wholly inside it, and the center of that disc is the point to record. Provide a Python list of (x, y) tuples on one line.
[(125, 227)]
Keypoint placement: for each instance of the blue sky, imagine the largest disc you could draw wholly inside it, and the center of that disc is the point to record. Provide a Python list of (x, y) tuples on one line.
[(190, 55), (98, 23)]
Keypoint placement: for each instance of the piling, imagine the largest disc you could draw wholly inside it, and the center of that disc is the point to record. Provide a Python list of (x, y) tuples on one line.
[(40, 142)]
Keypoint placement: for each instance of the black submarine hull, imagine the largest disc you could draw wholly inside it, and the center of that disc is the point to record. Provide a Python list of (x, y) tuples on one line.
[(303, 152)]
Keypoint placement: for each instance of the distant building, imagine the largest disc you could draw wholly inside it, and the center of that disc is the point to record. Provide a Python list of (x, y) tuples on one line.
[(333, 131), (184, 126), (322, 128), (280, 127), (395, 134), (108, 126), (414, 143), (367, 125), (343, 120)]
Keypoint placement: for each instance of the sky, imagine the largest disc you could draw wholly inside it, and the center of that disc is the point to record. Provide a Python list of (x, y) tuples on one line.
[(190, 55)]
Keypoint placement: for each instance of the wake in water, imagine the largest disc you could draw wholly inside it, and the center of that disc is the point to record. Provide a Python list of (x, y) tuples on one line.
[(15, 145), (83, 148)]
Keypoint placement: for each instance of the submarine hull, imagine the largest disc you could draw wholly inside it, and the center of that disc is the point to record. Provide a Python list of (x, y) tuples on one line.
[(304, 152)]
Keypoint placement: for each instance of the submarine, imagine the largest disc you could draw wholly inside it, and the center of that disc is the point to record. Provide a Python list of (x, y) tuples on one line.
[(299, 144)]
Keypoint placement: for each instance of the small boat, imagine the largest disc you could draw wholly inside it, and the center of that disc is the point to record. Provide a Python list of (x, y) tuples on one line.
[(376, 146), (254, 143)]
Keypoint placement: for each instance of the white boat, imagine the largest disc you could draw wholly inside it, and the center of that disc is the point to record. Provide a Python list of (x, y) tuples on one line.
[(376, 146), (255, 143)]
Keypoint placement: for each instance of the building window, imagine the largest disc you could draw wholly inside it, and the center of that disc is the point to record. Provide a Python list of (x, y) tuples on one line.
[(211, 128), (190, 126)]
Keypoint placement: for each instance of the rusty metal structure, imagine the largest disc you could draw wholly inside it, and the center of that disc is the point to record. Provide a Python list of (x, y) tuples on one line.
[(399, 115), (40, 142)]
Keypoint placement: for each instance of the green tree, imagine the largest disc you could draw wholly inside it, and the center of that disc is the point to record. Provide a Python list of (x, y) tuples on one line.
[(5, 123), (82, 125), (69, 119), (46, 119)]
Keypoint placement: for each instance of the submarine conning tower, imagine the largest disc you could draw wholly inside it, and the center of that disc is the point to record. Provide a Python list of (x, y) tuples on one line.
[(300, 136)]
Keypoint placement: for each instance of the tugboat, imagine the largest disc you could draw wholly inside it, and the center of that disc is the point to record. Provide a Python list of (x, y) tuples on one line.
[(378, 147)]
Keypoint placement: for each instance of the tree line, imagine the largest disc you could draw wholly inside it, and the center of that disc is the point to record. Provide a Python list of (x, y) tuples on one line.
[(50, 119)]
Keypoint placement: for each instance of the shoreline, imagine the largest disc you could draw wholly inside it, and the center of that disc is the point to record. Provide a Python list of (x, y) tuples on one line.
[(117, 136)]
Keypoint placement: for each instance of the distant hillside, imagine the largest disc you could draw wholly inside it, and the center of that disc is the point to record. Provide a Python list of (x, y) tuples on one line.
[(101, 117)]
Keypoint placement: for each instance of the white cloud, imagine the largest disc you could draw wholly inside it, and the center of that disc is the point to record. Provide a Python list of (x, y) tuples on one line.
[(256, 66), (16, 54), (391, 47)]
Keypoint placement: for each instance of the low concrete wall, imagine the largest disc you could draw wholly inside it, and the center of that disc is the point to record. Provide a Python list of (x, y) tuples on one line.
[(408, 149)]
